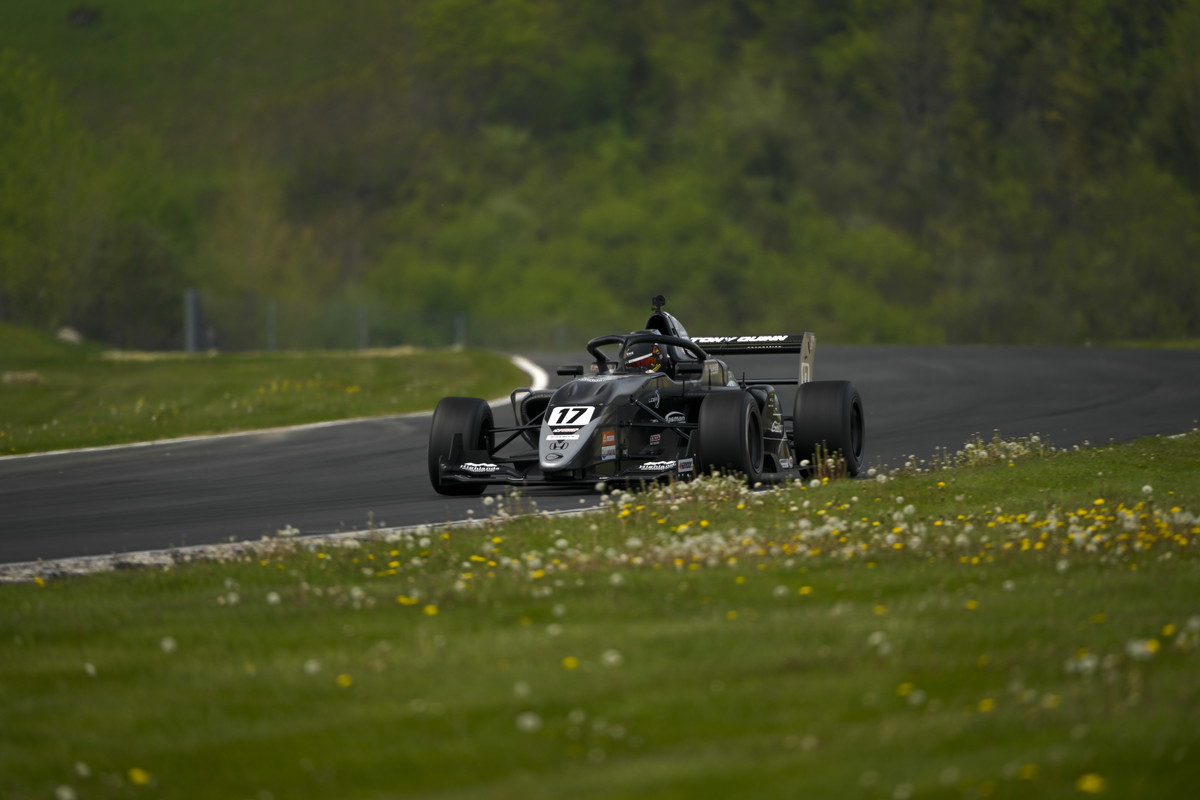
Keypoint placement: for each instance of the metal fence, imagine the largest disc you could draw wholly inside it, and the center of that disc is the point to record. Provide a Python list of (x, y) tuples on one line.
[(248, 323)]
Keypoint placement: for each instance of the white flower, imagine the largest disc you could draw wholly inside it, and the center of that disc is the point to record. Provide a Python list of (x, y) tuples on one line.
[(1147, 489), (529, 722), (273, 598), (312, 666), (64, 793), (1142, 649), (168, 644), (521, 689), (612, 658)]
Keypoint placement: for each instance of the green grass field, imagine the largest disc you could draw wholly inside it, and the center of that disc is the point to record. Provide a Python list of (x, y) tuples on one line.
[(59, 396), (1024, 626)]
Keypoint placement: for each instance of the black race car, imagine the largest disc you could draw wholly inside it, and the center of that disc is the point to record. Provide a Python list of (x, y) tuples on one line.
[(654, 404)]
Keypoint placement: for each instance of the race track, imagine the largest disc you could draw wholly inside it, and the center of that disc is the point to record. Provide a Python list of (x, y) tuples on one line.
[(345, 477)]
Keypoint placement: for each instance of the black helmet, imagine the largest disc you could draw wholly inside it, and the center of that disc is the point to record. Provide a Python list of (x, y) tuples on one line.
[(645, 356)]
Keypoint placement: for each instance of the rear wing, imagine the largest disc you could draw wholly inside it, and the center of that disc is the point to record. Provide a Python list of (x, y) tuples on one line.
[(804, 344)]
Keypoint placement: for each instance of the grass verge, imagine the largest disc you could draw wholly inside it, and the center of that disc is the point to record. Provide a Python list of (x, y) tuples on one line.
[(1027, 625), (60, 396)]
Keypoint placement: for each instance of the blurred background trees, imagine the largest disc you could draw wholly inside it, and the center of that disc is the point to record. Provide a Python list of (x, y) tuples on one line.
[(954, 171)]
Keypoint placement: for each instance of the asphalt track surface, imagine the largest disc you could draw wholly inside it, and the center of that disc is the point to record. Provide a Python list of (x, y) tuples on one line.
[(346, 477)]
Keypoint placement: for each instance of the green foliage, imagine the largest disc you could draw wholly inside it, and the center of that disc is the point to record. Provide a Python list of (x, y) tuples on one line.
[(1024, 172)]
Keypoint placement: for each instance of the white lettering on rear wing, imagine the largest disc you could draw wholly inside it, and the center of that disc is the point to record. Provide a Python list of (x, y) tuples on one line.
[(803, 344)]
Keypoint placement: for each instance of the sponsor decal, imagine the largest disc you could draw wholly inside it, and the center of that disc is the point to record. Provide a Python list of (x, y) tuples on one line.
[(608, 445), (561, 444), (776, 427), (475, 466), (597, 378), (570, 415), (553, 456), (564, 431), (657, 466), (655, 439), (686, 465), (785, 463), (676, 417), (562, 437), (654, 399), (739, 339)]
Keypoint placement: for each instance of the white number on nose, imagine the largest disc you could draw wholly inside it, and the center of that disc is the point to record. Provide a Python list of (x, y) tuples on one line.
[(571, 415)]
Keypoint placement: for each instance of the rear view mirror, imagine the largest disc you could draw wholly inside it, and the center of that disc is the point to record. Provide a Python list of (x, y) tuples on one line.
[(574, 369)]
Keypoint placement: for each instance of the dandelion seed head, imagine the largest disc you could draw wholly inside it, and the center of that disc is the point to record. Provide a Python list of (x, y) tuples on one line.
[(612, 658), (529, 722)]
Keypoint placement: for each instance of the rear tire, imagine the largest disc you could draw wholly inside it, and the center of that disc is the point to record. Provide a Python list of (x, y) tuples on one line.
[(468, 416), (828, 421), (730, 434)]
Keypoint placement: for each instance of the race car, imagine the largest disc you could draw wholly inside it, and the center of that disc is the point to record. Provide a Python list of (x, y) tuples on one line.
[(654, 404)]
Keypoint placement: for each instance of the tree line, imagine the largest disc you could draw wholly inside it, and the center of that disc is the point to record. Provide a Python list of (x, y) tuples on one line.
[(954, 171)]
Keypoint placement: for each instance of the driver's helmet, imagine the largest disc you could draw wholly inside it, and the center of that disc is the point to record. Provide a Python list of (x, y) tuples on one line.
[(645, 357)]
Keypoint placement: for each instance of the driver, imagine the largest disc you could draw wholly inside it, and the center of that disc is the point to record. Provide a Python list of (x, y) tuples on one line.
[(647, 357)]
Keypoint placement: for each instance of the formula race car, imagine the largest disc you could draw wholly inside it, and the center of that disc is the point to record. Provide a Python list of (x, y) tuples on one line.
[(653, 405)]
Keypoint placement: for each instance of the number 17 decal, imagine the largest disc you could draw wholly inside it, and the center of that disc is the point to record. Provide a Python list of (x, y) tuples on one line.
[(571, 415)]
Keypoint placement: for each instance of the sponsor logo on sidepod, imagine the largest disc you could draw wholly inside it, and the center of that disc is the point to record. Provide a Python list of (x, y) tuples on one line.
[(657, 466), (475, 466), (676, 417)]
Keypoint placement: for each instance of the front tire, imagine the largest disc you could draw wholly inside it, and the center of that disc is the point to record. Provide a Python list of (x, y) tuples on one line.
[(730, 434), (468, 416), (828, 421)]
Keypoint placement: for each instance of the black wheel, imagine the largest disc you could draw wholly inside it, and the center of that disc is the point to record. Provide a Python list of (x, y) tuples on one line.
[(468, 416), (827, 421), (730, 434)]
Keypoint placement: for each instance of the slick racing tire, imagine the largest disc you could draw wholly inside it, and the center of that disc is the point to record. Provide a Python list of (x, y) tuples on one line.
[(468, 416), (828, 421), (730, 434)]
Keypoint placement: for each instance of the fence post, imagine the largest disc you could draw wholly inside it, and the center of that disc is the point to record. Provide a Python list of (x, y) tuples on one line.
[(191, 320), (272, 324), (460, 330)]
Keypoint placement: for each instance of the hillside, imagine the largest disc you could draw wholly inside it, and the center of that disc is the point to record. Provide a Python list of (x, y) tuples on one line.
[(902, 172)]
